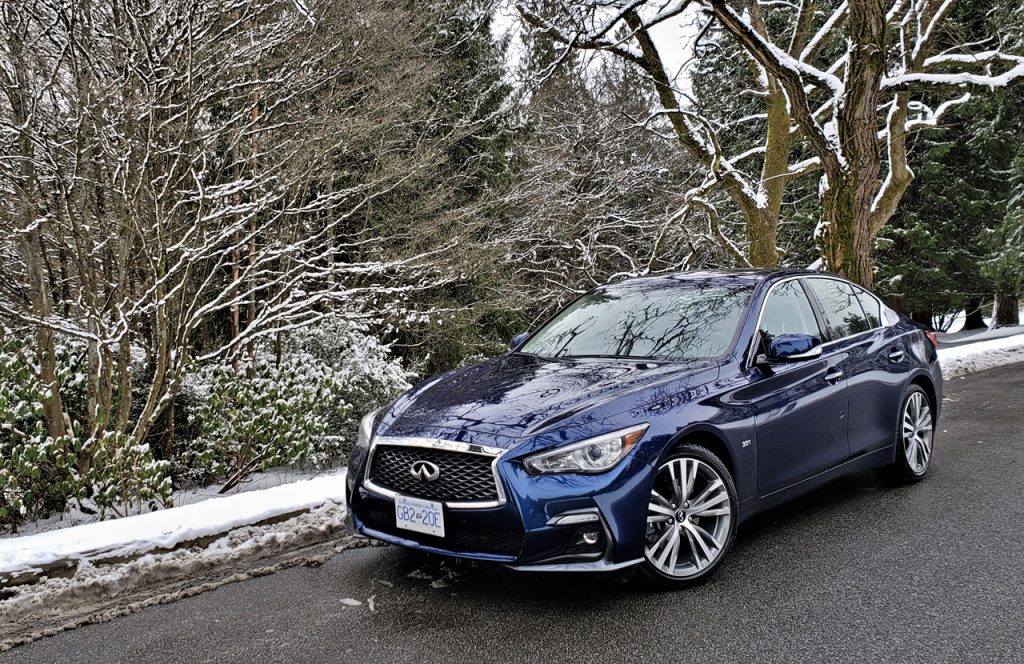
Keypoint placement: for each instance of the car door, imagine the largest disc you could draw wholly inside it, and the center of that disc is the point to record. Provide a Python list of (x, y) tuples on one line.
[(799, 407), (876, 365)]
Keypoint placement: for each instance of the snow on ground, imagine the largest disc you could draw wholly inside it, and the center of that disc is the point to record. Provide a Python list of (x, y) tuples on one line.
[(165, 529), (970, 358), (957, 324), (76, 517), (103, 591)]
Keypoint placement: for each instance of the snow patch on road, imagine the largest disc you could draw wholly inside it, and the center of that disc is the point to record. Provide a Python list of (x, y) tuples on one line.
[(166, 529), (970, 358), (100, 592)]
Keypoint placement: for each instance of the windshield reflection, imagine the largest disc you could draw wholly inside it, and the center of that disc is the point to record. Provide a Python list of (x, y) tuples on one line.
[(676, 321)]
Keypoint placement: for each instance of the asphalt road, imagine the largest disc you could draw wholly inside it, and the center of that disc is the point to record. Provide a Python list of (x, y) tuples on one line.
[(857, 571)]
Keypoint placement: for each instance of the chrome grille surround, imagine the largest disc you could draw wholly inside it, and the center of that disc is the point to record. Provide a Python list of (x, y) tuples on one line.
[(494, 453)]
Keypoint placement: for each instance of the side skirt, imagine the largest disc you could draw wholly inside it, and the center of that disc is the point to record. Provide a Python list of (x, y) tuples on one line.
[(859, 464)]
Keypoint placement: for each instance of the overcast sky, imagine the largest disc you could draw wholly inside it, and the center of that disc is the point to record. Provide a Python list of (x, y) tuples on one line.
[(674, 39)]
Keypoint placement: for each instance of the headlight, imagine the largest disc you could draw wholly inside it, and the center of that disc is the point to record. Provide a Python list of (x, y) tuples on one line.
[(366, 429), (593, 455)]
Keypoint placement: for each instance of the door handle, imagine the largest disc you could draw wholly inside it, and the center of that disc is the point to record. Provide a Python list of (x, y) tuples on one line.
[(895, 355), (832, 376)]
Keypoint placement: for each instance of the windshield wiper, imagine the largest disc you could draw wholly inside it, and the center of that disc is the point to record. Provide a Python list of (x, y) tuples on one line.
[(606, 357)]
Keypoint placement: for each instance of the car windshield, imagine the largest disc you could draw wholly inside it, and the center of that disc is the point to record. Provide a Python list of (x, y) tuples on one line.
[(677, 321)]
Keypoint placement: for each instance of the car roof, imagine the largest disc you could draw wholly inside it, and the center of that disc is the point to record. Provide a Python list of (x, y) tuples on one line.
[(751, 276)]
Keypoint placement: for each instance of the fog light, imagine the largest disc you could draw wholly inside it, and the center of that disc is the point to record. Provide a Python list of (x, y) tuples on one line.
[(591, 538)]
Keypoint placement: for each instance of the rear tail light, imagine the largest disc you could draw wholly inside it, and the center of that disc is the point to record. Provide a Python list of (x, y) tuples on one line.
[(932, 337)]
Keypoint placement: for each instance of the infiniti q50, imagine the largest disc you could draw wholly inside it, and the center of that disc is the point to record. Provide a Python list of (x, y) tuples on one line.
[(648, 419)]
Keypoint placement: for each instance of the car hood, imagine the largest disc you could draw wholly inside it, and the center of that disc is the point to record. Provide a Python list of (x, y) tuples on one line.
[(516, 395)]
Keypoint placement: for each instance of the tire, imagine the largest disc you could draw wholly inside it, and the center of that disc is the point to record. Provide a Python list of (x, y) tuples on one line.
[(686, 544), (915, 438)]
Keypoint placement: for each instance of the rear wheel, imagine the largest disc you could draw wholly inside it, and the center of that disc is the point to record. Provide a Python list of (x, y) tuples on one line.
[(691, 518), (914, 439)]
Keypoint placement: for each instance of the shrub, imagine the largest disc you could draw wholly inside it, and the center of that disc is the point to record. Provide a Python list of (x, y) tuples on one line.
[(124, 474), (37, 473), (259, 418), (365, 376), (40, 474), (305, 410)]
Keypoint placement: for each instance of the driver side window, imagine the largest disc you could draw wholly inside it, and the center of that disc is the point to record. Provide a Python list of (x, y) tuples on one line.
[(787, 311)]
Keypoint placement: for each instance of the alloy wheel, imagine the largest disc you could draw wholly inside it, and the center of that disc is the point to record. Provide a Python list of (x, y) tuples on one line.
[(688, 518), (917, 432)]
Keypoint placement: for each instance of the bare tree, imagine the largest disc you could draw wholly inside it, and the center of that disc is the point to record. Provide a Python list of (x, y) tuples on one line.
[(180, 166), (838, 84), (598, 194)]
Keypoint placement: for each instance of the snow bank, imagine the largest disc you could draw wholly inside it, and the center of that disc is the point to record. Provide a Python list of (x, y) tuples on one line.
[(106, 590), (165, 529), (969, 358), (76, 517)]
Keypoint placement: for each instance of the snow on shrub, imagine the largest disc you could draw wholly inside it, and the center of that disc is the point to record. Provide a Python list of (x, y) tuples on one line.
[(259, 417), (365, 374), (40, 474), (301, 409), (125, 477)]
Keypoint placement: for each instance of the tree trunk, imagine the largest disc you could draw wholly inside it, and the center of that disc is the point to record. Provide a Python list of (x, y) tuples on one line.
[(166, 446), (845, 241), (124, 388), (236, 327), (924, 317), (848, 200), (250, 310), (32, 244), (762, 232), (1006, 311), (974, 320), (46, 347)]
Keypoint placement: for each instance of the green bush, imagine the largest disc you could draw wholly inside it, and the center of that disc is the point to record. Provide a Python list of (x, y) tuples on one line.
[(37, 474), (300, 410), (261, 417), (40, 474), (363, 372), (125, 474), (304, 410)]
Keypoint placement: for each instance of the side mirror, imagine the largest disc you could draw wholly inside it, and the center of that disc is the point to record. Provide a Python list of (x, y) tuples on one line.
[(793, 348), (518, 340)]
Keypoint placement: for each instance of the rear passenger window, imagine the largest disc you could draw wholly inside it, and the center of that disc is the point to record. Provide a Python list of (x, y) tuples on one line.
[(871, 305), (843, 312), (787, 311)]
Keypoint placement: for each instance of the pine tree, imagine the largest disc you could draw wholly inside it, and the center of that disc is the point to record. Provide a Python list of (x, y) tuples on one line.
[(940, 253)]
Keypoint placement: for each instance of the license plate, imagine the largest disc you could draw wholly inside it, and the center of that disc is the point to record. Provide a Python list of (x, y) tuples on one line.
[(422, 516)]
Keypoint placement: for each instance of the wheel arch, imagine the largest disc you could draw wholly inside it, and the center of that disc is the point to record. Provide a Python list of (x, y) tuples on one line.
[(707, 437), (924, 381)]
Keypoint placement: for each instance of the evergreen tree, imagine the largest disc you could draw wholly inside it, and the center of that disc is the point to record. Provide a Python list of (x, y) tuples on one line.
[(942, 251)]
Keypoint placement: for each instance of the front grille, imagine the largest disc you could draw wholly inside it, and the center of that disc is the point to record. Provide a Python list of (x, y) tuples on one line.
[(464, 478)]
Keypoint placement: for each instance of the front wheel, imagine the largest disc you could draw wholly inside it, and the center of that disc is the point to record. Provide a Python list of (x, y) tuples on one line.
[(691, 518)]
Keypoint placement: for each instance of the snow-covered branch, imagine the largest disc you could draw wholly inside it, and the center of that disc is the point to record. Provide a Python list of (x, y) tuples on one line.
[(931, 77)]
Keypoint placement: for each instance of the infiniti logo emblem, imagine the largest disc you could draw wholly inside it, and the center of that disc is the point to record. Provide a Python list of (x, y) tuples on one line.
[(425, 470)]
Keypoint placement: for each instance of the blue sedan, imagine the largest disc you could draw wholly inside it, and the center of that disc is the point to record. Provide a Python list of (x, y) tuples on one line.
[(645, 421)]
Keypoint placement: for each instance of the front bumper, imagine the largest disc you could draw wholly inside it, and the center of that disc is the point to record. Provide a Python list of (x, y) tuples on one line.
[(529, 530)]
